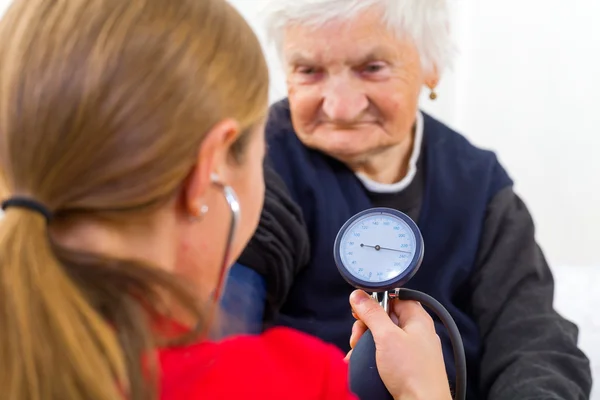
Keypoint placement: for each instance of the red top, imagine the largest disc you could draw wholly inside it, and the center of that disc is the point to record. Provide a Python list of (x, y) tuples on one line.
[(280, 364)]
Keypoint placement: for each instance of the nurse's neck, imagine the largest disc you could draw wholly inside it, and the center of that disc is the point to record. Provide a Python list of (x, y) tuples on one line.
[(148, 241)]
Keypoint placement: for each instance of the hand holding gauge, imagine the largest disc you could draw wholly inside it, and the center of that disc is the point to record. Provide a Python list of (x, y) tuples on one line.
[(379, 250)]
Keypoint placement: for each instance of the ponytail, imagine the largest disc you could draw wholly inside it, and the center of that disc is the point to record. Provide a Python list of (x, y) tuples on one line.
[(52, 343), (56, 341)]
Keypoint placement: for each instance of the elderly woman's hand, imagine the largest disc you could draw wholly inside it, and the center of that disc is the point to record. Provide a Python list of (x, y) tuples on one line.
[(408, 351)]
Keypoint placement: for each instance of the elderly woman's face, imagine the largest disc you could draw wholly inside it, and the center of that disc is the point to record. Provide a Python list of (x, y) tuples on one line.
[(353, 87)]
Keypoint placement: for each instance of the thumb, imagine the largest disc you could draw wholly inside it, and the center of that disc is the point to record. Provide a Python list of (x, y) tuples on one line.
[(370, 312)]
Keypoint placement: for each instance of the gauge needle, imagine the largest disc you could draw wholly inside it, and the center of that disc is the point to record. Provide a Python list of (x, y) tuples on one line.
[(378, 247)]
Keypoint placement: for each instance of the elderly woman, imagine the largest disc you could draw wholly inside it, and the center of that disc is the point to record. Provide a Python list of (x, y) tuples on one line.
[(350, 136)]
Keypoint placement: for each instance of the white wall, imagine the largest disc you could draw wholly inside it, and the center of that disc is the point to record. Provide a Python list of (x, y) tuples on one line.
[(528, 86)]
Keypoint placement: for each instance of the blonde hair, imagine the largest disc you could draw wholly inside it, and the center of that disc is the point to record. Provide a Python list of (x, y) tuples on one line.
[(103, 106)]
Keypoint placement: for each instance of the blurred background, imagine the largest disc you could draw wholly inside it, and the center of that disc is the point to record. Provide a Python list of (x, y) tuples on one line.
[(525, 84)]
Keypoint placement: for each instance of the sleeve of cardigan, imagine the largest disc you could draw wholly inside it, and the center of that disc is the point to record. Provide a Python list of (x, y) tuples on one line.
[(529, 350), (280, 247)]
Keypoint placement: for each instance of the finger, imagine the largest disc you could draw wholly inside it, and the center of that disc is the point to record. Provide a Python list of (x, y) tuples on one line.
[(370, 312), (348, 355), (358, 329), (411, 314)]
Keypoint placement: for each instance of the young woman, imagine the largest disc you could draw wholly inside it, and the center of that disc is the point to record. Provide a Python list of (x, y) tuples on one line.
[(128, 130)]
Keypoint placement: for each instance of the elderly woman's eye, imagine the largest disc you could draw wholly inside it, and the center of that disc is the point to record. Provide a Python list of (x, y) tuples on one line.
[(373, 67), (307, 70)]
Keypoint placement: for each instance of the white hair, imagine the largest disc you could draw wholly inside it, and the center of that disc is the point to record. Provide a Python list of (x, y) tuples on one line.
[(426, 22)]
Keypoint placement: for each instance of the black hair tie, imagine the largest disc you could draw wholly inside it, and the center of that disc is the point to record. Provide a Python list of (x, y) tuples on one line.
[(28, 204)]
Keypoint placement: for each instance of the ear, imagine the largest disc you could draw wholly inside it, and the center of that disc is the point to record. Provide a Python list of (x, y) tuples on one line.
[(212, 158), (432, 77)]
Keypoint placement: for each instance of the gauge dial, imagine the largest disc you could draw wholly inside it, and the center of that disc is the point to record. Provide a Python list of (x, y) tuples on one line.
[(378, 249)]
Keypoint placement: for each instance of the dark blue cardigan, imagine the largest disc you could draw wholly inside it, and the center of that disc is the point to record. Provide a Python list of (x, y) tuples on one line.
[(460, 181)]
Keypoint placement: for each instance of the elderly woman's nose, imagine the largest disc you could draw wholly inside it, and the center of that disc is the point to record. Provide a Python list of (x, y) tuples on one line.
[(343, 101)]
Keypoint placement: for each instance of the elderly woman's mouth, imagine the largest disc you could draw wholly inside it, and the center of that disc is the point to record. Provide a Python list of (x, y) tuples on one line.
[(348, 126)]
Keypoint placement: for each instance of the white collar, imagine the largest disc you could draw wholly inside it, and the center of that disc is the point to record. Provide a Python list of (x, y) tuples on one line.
[(377, 187)]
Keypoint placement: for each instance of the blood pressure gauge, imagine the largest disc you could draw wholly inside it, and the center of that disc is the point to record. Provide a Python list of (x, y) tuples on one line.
[(378, 250)]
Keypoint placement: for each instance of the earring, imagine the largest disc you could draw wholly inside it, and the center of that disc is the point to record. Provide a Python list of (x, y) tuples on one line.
[(203, 210), (199, 213), (214, 177), (433, 94)]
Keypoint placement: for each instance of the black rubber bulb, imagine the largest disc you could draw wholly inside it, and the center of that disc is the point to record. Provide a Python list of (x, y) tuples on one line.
[(364, 378)]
